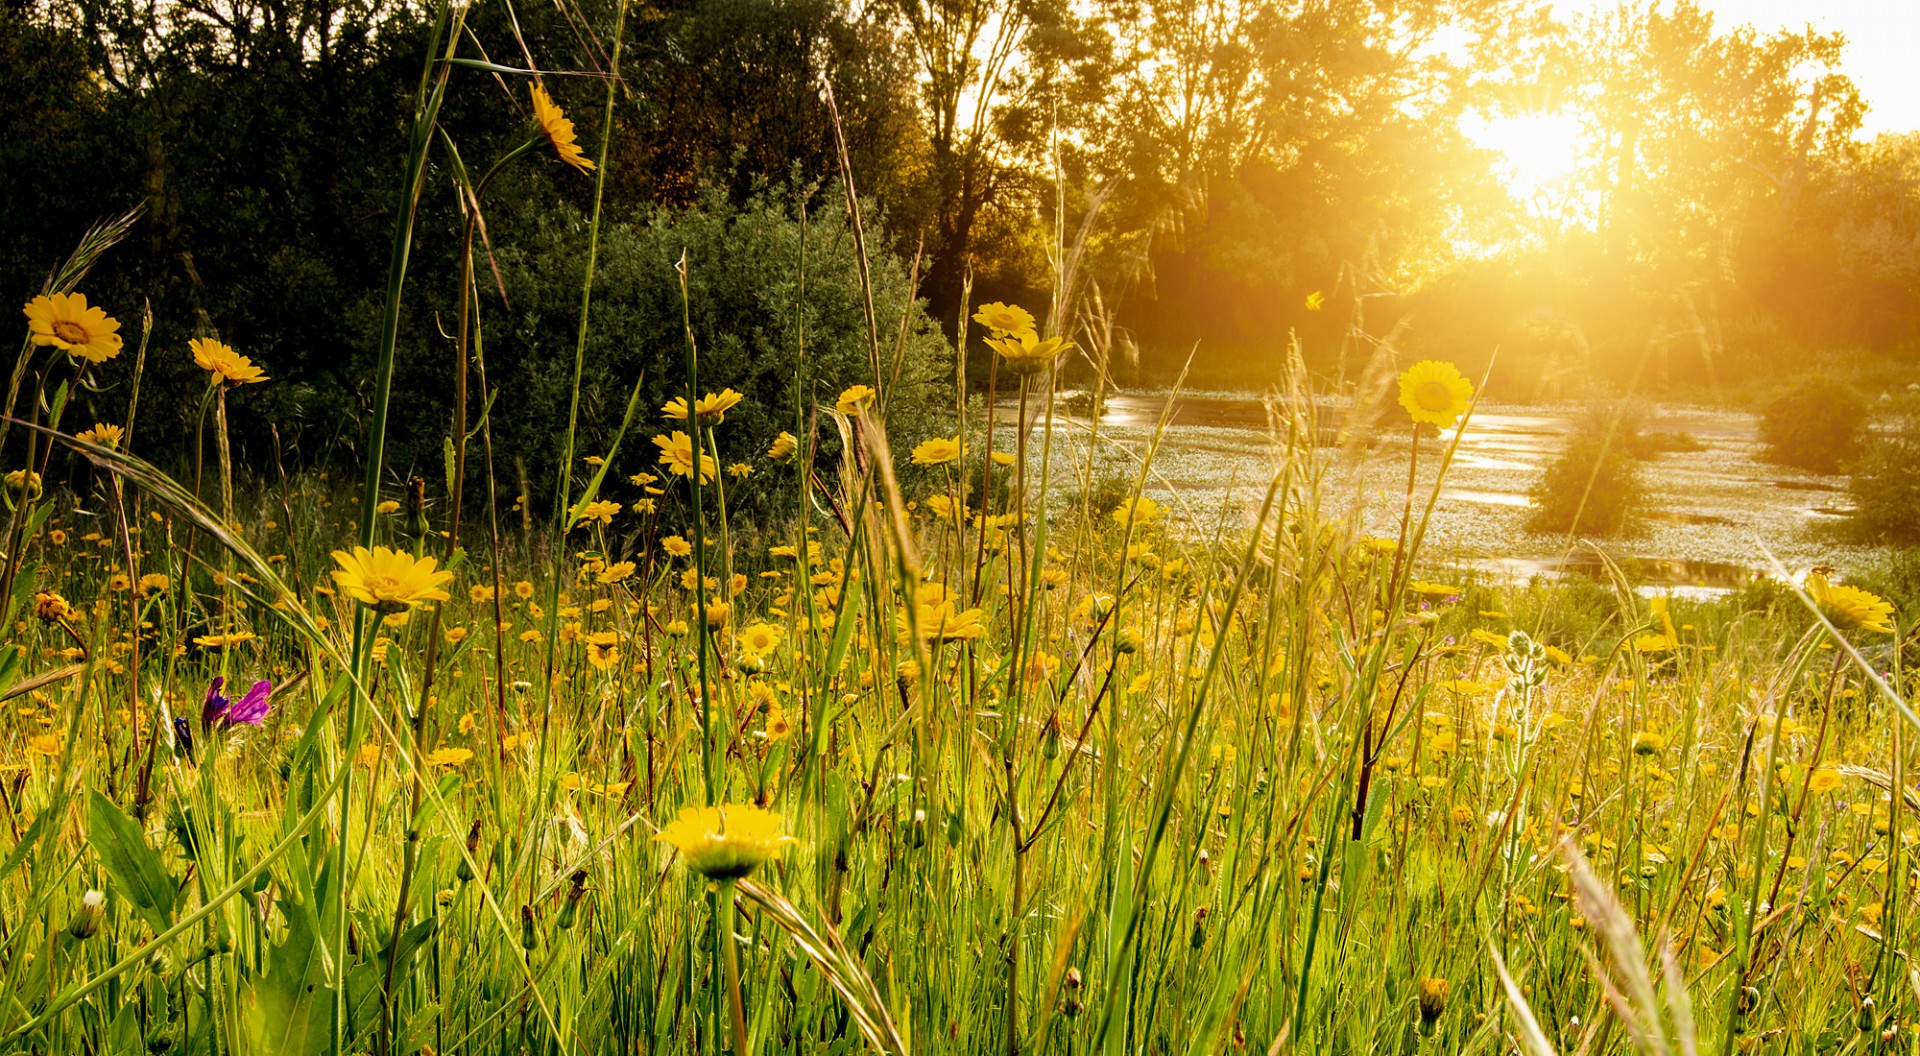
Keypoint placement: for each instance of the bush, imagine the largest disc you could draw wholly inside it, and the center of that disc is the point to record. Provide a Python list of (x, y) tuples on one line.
[(1594, 487), (1815, 426), (743, 284), (1885, 485)]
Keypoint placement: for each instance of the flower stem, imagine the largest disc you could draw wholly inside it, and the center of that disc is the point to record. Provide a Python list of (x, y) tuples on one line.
[(736, 1009)]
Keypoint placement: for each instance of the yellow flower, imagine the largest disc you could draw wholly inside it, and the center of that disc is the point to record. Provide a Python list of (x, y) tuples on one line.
[(760, 638), (1434, 590), (1136, 511), (1824, 781), (1026, 353), (558, 130), (224, 363), (677, 453), (448, 757), (47, 744), (64, 321), (1435, 392), (50, 606), (103, 435), (740, 471), (153, 583), (711, 409), (600, 510), (603, 649), (854, 400), (940, 620), (1850, 606), (221, 641), (615, 572), (523, 590), (1003, 458), (1004, 319), (675, 546), (1646, 743), (389, 506), (937, 451), (783, 447), (24, 482), (389, 580), (778, 726), (725, 842)]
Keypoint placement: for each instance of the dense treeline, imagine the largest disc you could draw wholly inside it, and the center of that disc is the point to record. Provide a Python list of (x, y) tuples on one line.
[(1208, 174)]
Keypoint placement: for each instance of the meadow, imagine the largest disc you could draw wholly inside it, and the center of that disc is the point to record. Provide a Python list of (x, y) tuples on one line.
[(292, 765)]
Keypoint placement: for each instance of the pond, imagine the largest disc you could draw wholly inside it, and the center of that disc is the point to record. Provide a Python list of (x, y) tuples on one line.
[(1713, 514)]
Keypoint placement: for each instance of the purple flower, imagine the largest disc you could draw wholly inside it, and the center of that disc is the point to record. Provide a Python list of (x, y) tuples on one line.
[(250, 710)]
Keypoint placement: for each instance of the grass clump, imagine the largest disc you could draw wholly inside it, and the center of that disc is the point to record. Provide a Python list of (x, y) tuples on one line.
[(1816, 426), (1883, 480), (1593, 487)]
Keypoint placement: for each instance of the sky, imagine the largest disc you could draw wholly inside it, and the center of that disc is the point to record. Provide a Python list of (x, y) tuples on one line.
[(1882, 36)]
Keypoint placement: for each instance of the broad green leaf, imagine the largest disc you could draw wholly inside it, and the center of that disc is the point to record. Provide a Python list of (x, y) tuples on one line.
[(130, 862)]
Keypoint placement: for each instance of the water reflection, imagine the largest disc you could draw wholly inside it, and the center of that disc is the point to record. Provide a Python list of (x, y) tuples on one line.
[(1648, 575)]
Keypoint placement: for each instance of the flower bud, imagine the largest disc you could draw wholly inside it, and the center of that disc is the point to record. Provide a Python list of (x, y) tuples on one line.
[(1050, 738), (1199, 936), (86, 919), (529, 939), (464, 870), (1866, 1020), (417, 526), (1433, 1001), (571, 906)]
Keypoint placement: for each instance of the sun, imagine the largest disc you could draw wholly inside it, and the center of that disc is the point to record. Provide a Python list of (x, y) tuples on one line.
[(1540, 152)]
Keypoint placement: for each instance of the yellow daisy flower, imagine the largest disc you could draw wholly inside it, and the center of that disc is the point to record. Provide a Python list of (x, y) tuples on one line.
[(1435, 393), (1850, 606), (783, 447), (558, 129), (855, 399), (224, 363), (1026, 353), (64, 321), (104, 435), (711, 409), (677, 453), (1004, 319), (1136, 511), (389, 580), (937, 451), (725, 842)]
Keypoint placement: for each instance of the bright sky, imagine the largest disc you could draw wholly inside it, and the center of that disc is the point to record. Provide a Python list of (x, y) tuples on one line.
[(1880, 52)]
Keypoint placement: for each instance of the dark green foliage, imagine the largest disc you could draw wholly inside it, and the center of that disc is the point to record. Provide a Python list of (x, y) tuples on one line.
[(1886, 477), (1815, 426), (1593, 487), (743, 281)]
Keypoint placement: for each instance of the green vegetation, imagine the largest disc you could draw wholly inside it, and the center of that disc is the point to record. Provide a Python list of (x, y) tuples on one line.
[(1816, 425), (700, 661), (1593, 486)]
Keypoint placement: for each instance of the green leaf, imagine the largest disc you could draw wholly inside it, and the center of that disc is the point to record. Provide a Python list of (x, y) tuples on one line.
[(129, 861), (9, 667), (25, 846)]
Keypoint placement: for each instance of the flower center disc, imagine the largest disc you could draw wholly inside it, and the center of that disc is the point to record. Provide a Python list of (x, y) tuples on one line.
[(70, 332), (1435, 396)]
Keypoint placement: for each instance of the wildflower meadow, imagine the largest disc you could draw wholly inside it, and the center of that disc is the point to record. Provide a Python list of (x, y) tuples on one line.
[(855, 712)]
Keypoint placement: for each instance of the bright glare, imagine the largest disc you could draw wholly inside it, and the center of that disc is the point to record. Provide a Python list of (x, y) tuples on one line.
[(1540, 153)]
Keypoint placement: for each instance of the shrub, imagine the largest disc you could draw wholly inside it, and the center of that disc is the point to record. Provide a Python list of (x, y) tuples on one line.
[(1885, 485), (1815, 426), (743, 280), (1593, 487)]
